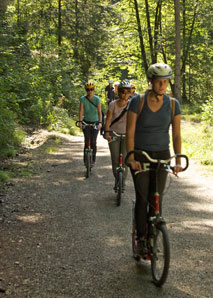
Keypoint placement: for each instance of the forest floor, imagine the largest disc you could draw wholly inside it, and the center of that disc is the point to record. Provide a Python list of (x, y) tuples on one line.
[(62, 235)]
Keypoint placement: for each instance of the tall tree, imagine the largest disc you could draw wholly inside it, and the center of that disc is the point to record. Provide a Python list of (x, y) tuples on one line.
[(177, 87), (3, 6), (143, 52), (187, 44), (59, 23)]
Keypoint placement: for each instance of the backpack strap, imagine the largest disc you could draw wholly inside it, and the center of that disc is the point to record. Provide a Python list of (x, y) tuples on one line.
[(172, 104), (142, 98)]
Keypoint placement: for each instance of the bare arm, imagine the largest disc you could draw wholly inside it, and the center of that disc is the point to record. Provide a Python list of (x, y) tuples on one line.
[(99, 116), (130, 139), (107, 125), (176, 139), (81, 112)]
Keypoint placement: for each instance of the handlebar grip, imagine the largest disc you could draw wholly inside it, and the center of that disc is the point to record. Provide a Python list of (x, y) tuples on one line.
[(186, 158), (77, 123)]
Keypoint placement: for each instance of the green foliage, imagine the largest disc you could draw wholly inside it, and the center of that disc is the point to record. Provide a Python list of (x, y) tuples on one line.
[(198, 113), (10, 137), (197, 142), (4, 176), (41, 80), (59, 120), (207, 111)]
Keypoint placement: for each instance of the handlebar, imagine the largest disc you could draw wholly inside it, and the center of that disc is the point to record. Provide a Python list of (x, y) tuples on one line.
[(115, 133), (158, 161), (84, 124)]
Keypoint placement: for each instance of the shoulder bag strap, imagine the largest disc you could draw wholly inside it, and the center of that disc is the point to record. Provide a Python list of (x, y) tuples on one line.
[(119, 117), (91, 102)]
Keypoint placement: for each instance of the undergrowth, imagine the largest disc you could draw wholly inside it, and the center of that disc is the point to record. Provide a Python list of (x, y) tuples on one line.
[(197, 140)]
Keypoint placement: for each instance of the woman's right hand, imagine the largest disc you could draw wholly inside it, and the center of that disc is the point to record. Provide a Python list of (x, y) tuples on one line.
[(80, 125), (108, 137), (135, 165)]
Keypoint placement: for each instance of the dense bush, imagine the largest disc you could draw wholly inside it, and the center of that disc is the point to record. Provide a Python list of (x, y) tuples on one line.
[(207, 111), (10, 140), (59, 120)]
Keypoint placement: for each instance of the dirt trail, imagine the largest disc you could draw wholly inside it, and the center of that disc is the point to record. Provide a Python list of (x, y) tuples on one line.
[(63, 236)]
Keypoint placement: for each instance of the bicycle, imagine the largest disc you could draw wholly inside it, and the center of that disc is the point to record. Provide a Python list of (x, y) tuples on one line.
[(157, 234), (120, 169), (88, 149)]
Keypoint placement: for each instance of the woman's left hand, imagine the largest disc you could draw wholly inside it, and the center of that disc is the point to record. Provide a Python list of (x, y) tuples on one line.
[(177, 169), (99, 126)]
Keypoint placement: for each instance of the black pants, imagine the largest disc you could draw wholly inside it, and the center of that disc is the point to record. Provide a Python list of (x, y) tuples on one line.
[(145, 183), (90, 133)]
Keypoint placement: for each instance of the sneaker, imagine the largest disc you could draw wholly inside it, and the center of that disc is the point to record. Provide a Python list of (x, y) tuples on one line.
[(141, 247), (92, 164)]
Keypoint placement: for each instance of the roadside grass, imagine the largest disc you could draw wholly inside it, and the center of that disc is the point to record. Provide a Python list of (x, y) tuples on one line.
[(197, 140), (14, 168), (60, 121), (4, 176)]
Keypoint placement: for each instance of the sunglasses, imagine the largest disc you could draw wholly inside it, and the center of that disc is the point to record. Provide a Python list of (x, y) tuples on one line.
[(125, 92), (92, 89)]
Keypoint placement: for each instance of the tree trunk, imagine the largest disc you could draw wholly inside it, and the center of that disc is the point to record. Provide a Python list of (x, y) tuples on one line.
[(186, 47), (186, 53), (177, 87), (143, 52), (75, 44), (59, 23), (149, 32), (157, 26), (3, 6), (184, 97)]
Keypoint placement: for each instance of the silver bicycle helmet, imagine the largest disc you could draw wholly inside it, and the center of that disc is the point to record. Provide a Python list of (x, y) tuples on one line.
[(159, 70), (124, 85)]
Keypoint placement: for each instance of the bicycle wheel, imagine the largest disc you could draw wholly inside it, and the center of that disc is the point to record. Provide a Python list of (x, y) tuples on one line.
[(88, 164), (160, 255), (120, 187), (134, 234)]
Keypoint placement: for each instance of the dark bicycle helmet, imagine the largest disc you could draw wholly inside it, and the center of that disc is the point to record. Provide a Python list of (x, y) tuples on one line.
[(124, 85), (159, 70)]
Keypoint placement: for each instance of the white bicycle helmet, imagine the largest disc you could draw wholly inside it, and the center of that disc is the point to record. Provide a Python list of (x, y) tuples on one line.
[(124, 85), (159, 70)]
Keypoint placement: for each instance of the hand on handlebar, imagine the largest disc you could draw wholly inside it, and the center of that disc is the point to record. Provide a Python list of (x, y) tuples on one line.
[(99, 126), (80, 125), (108, 137), (135, 165), (176, 169)]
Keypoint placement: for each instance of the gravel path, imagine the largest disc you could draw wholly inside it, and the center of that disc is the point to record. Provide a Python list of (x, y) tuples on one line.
[(63, 236)]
